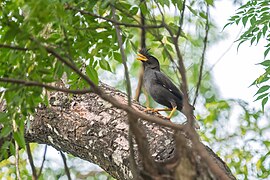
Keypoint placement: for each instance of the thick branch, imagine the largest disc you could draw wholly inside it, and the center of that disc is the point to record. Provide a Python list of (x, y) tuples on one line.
[(93, 129)]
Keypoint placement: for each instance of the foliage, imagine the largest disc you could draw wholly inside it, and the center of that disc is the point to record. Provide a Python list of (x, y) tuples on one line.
[(80, 32), (254, 15)]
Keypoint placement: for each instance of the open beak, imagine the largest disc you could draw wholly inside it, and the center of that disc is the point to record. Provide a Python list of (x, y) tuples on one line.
[(141, 57)]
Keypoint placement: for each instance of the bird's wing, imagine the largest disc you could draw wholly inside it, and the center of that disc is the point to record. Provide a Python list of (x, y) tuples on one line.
[(167, 83)]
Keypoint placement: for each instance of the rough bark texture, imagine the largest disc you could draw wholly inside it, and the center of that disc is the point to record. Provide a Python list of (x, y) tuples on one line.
[(92, 129)]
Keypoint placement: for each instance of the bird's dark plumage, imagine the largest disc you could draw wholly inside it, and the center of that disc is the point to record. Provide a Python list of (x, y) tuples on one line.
[(157, 84)]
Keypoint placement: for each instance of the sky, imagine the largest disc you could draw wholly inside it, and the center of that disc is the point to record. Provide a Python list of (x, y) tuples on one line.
[(236, 70)]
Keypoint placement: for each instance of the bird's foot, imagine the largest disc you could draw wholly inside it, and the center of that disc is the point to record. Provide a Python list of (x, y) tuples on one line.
[(150, 109)]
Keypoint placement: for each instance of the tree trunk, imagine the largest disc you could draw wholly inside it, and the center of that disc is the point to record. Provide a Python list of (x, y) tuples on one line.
[(90, 128)]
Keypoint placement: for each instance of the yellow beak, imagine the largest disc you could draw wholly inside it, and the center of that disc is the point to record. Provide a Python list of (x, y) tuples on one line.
[(141, 57)]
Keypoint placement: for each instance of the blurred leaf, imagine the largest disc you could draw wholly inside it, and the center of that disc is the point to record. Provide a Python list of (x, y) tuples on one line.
[(264, 101), (117, 57), (3, 117), (92, 74), (134, 11), (5, 131), (19, 138), (105, 65)]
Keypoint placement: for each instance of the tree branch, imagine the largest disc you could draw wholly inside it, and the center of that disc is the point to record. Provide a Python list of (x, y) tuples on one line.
[(143, 45), (43, 161), (123, 55), (65, 165), (32, 165), (181, 20), (92, 129), (46, 86), (13, 47), (68, 7), (203, 55)]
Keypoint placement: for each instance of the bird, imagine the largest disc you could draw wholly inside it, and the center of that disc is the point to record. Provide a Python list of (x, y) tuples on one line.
[(158, 85)]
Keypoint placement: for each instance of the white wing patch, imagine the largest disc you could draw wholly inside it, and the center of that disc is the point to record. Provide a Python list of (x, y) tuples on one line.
[(167, 88)]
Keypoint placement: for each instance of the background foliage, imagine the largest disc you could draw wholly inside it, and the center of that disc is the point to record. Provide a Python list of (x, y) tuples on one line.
[(81, 32)]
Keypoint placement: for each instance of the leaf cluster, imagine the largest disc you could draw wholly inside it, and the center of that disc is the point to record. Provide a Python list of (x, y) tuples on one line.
[(255, 16)]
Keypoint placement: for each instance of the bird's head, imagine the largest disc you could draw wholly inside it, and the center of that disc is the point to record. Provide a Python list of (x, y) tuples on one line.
[(148, 60)]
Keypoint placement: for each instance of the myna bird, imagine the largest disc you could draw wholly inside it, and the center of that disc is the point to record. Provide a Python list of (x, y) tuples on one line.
[(158, 85)]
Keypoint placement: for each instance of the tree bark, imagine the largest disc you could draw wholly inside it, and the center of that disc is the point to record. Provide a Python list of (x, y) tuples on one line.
[(90, 128)]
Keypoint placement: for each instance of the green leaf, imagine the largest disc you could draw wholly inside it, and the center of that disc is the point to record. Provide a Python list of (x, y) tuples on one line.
[(143, 8), (192, 10), (253, 21), (117, 57), (210, 2), (266, 143), (92, 74), (266, 52), (252, 40), (264, 101), (259, 36), (262, 89), (5, 131), (3, 117), (12, 148), (203, 15), (244, 20), (19, 138), (265, 63), (105, 65), (134, 11), (261, 96)]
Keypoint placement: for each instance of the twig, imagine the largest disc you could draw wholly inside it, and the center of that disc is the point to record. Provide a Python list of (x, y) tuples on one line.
[(17, 155), (220, 58), (32, 165), (139, 85), (13, 47), (43, 161), (134, 127), (124, 11), (203, 55), (181, 20), (134, 170), (123, 55), (17, 159), (46, 86), (65, 165), (223, 54), (143, 45), (68, 7)]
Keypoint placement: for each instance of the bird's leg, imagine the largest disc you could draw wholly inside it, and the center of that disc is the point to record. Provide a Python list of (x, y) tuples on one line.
[(162, 109), (157, 110), (149, 109), (173, 110)]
